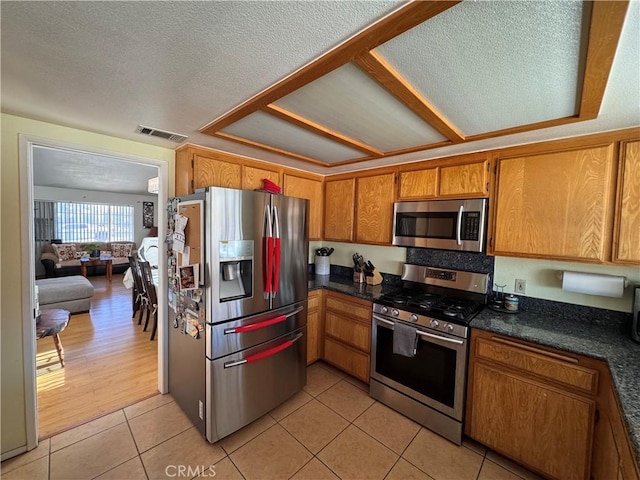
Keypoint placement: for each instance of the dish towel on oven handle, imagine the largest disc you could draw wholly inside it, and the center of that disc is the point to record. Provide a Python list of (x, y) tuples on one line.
[(405, 339)]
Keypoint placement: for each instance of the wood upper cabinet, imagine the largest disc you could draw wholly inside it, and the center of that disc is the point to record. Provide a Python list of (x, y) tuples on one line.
[(374, 208), (418, 184), (217, 173), (627, 233), (471, 179), (339, 197), (523, 411), (555, 205), (252, 177), (303, 187)]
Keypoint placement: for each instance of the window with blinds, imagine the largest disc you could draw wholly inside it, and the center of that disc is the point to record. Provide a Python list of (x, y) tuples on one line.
[(93, 222)]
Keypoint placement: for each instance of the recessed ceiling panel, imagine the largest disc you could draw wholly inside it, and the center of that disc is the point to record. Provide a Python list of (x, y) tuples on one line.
[(492, 65), (350, 102), (269, 130)]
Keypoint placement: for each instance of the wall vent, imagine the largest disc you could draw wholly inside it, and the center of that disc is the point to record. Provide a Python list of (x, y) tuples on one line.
[(154, 132)]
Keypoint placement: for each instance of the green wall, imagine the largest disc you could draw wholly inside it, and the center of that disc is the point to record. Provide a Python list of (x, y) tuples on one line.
[(12, 318)]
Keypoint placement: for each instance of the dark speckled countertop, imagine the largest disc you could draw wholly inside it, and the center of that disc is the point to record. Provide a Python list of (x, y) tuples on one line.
[(585, 331), (610, 342)]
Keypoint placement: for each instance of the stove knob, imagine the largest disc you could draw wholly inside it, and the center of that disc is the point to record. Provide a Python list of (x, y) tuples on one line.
[(449, 327), (395, 312), (414, 317), (384, 310), (434, 323)]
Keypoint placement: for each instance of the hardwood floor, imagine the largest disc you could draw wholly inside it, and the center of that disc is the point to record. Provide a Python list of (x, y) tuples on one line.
[(109, 362)]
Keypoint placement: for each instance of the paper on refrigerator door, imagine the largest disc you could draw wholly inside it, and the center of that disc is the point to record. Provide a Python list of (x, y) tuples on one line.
[(180, 223)]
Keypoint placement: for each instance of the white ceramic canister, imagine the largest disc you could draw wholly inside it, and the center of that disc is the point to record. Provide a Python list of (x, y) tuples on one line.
[(323, 265)]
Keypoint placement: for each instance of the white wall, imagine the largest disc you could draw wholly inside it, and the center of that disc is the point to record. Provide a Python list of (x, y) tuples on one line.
[(543, 282)]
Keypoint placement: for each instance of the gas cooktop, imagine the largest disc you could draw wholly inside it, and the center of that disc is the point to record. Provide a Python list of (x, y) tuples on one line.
[(454, 309)]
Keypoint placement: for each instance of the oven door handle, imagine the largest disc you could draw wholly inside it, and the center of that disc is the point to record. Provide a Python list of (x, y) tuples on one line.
[(258, 325), (421, 333), (459, 226), (267, 353)]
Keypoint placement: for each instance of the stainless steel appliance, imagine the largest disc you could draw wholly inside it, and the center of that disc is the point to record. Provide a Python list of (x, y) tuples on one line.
[(237, 305), (443, 224), (429, 386), (635, 323)]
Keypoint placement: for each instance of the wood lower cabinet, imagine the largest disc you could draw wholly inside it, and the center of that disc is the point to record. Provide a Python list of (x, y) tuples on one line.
[(347, 336), (314, 326), (374, 208), (556, 205), (627, 232), (339, 198), (613, 456), (311, 189), (534, 405)]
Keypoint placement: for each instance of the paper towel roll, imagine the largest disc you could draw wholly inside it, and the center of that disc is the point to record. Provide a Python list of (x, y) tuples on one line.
[(593, 284)]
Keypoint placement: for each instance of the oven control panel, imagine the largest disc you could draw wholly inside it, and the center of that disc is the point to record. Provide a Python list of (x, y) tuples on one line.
[(389, 315)]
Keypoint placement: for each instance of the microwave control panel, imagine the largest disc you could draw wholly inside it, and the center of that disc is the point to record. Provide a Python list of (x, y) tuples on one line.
[(470, 226)]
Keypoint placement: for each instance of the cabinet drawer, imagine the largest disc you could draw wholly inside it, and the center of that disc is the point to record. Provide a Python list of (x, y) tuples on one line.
[(347, 359), (356, 334), (558, 368), (352, 309)]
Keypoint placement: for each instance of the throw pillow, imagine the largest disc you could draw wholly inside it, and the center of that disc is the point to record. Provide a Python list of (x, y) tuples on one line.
[(65, 251), (121, 249), (81, 254)]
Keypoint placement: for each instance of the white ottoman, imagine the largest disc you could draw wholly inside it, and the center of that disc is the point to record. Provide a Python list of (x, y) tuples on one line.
[(68, 293)]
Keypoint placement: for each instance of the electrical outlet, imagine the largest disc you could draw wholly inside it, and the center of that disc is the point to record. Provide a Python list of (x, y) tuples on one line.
[(521, 286)]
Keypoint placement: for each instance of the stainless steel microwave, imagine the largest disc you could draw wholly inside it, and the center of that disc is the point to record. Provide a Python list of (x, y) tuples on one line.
[(443, 224)]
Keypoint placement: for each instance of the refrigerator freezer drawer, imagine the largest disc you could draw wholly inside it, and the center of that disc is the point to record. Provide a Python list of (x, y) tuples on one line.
[(229, 337), (246, 385)]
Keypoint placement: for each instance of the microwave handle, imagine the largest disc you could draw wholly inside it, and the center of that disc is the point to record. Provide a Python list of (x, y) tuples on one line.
[(459, 226)]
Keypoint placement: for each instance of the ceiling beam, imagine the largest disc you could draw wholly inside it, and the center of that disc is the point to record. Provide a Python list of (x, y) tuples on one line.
[(321, 130), (381, 71), (607, 18), (399, 21), (246, 141)]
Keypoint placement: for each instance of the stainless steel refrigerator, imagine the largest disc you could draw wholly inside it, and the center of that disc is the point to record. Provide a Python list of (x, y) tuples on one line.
[(237, 305)]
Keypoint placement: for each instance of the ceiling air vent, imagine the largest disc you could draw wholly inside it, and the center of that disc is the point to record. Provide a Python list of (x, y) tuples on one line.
[(154, 132)]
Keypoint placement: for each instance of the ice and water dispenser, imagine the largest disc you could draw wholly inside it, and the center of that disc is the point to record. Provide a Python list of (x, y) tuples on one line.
[(236, 269)]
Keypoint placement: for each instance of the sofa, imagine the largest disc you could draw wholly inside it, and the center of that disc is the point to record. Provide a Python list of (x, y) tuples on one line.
[(69, 293), (63, 259)]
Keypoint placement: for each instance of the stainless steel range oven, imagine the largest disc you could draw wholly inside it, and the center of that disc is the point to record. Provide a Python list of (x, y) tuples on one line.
[(428, 384)]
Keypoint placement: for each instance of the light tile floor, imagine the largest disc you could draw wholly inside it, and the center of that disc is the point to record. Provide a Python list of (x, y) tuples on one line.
[(330, 430)]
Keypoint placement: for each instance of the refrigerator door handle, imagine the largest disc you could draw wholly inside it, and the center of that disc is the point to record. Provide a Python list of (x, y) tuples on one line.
[(276, 253), (268, 252), (265, 323), (267, 353)]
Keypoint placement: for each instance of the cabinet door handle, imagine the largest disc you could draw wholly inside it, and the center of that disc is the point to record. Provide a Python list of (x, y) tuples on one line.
[(535, 350)]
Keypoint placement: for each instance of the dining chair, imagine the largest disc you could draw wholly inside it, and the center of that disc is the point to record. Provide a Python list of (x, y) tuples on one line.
[(140, 297), (150, 289)]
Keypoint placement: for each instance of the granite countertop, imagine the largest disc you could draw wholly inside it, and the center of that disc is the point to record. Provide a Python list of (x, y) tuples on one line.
[(347, 286), (583, 336), (584, 331)]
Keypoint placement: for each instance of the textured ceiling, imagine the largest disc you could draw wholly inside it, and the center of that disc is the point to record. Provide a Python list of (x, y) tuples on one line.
[(83, 171), (109, 66)]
